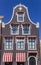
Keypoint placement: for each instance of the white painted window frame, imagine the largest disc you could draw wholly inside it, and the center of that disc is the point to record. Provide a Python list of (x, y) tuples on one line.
[(17, 18), (11, 31), (26, 33), (28, 44), (6, 48), (20, 48)]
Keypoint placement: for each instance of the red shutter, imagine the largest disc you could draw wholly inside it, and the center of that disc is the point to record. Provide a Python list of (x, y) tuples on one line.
[(7, 57), (20, 57)]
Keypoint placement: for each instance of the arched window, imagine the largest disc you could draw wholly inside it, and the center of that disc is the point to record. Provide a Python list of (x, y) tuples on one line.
[(32, 61)]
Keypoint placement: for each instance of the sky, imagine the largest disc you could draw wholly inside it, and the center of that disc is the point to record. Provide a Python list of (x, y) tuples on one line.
[(34, 8)]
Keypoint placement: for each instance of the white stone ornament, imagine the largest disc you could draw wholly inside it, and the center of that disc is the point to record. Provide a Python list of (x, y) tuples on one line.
[(0, 21), (37, 25), (3, 24), (20, 7)]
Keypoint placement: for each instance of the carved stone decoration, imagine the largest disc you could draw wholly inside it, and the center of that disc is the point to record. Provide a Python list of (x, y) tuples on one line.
[(20, 8)]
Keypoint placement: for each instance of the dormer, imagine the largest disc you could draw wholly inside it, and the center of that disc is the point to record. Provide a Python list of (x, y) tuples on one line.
[(20, 13), (20, 17)]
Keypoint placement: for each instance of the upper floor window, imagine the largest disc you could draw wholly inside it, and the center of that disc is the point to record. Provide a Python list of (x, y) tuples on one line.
[(20, 17), (31, 44), (26, 29), (14, 29), (20, 44), (8, 45)]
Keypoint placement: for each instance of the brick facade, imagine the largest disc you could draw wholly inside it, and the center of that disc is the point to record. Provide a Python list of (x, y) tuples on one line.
[(5, 32)]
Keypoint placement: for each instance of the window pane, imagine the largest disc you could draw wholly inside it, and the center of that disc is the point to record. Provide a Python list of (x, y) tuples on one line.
[(18, 47), (14, 28), (20, 44), (8, 44), (31, 43), (20, 17), (26, 29)]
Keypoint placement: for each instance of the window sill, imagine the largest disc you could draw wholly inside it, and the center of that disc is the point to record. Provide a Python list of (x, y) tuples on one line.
[(8, 49), (32, 49)]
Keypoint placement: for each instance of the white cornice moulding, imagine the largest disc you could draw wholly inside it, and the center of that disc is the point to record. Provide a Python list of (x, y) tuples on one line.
[(3, 24), (37, 25), (0, 21)]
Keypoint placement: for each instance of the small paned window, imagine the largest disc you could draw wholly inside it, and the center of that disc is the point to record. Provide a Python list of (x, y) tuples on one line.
[(26, 29), (8, 45), (20, 44), (31, 44), (20, 17), (15, 29)]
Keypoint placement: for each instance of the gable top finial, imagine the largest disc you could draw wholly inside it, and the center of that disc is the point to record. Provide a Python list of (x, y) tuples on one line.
[(20, 8), (20, 4)]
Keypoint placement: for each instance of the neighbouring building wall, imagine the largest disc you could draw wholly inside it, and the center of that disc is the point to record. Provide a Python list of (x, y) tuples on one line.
[(1, 18)]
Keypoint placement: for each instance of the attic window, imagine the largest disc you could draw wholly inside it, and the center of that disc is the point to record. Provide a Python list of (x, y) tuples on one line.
[(25, 29), (14, 29), (20, 17)]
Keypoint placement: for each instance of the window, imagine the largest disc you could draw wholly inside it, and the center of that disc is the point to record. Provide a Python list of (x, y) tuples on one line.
[(31, 44), (25, 29), (15, 29), (20, 44), (20, 17), (8, 45)]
